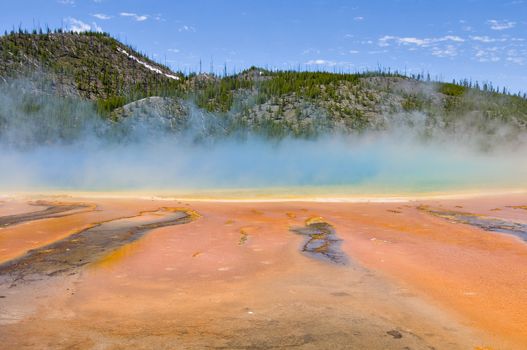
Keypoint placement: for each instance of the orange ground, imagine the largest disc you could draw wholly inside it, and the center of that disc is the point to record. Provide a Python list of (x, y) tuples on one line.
[(235, 278)]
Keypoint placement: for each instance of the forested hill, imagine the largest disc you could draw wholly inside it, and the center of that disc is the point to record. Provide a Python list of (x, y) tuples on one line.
[(120, 82), (92, 65)]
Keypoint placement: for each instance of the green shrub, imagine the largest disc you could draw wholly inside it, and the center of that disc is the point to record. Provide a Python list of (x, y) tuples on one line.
[(107, 105), (452, 89)]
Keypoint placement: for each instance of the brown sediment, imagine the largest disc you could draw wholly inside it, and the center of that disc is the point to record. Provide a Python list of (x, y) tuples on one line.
[(89, 245), (485, 223), (524, 207), (243, 236), (52, 210), (322, 241)]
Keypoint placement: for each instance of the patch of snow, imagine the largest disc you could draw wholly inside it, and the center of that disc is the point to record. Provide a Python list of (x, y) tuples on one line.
[(146, 65)]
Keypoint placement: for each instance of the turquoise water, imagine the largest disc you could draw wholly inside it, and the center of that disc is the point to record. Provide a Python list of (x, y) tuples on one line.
[(332, 166)]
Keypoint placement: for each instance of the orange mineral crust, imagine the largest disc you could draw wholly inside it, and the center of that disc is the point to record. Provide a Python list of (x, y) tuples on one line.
[(239, 275), (475, 274)]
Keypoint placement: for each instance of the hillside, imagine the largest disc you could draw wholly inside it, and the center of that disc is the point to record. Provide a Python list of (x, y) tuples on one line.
[(122, 84), (90, 65)]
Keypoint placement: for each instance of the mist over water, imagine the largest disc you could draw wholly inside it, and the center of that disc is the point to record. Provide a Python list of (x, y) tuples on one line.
[(42, 151), (381, 165)]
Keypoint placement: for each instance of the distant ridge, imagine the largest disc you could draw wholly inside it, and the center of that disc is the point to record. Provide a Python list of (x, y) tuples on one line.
[(90, 64), (122, 82)]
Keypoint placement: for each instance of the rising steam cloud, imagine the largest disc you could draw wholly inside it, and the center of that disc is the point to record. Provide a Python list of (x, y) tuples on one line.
[(62, 144)]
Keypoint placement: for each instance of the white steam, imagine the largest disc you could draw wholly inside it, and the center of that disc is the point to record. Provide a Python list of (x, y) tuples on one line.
[(40, 150)]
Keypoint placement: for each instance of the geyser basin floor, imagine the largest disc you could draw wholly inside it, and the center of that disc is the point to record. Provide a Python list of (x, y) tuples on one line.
[(91, 244), (236, 278)]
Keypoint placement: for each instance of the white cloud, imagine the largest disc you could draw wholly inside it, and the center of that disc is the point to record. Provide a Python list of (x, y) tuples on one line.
[(353, 51), (173, 50), (516, 59), (310, 51), (358, 18), (490, 54), (424, 42), (415, 41), (448, 51), (66, 2), (76, 25), (96, 28), (320, 62), (376, 52), (185, 28), (483, 39), (385, 40), (516, 56), (487, 39), (465, 26), (452, 38), (101, 16), (135, 16), (446, 46), (500, 25)]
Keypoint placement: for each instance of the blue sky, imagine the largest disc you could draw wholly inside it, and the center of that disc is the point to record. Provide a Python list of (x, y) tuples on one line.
[(479, 39)]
